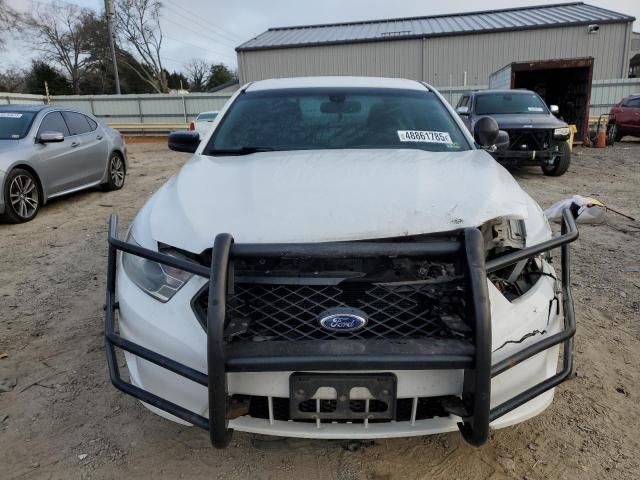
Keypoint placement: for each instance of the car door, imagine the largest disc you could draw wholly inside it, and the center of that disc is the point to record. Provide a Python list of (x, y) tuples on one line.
[(97, 147), (633, 107), (57, 161), (625, 116), (91, 147)]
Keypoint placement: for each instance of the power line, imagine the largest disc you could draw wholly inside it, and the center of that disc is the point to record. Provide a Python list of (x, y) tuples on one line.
[(202, 24), (209, 25), (182, 25), (199, 47)]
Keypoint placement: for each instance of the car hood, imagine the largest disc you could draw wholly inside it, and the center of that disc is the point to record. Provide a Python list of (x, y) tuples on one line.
[(524, 120), (331, 195)]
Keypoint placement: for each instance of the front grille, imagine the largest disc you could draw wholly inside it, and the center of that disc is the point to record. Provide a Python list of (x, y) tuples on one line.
[(528, 139), (290, 312), (428, 407)]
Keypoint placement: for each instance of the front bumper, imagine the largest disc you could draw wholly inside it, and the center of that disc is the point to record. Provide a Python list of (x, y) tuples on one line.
[(469, 370), (525, 157)]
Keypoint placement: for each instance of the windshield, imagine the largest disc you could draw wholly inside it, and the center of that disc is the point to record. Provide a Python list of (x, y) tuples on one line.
[(336, 118), (15, 125), (488, 104), (207, 116)]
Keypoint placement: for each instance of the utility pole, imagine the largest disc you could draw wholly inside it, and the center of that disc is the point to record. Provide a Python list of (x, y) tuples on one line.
[(109, 11)]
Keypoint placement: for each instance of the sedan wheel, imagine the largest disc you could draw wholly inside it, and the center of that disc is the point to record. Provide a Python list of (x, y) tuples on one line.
[(22, 197), (116, 173)]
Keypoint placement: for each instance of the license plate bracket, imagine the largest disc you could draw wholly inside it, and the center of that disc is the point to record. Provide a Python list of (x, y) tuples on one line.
[(351, 393)]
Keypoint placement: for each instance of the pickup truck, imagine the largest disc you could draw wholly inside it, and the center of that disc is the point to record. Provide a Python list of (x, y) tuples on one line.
[(535, 135)]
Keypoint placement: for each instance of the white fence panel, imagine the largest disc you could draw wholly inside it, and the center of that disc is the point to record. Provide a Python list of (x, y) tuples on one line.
[(20, 99), (169, 108), (606, 93)]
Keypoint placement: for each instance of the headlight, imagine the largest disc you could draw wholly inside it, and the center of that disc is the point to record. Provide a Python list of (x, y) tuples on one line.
[(561, 132), (160, 281)]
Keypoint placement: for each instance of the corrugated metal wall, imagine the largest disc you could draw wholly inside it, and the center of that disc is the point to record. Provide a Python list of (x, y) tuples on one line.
[(167, 108), (148, 108), (443, 60)]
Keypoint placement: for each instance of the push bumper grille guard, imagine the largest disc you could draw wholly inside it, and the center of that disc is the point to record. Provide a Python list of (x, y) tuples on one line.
[(474, 408)]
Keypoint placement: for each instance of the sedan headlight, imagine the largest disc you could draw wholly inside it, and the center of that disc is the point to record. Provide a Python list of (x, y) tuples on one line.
[(160, 281), (561, 132)]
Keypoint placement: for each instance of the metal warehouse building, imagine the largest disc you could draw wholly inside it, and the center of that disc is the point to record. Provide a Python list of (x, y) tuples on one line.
[(461, 49)]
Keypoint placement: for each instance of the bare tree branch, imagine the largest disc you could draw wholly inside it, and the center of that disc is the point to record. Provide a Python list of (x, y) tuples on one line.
[(59, 30), (197, 70), (9, 20), (138, 27)]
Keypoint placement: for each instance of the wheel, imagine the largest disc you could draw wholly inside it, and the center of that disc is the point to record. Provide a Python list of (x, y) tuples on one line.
[(21, 196), (613, 134), (116, 173), (560, 163)]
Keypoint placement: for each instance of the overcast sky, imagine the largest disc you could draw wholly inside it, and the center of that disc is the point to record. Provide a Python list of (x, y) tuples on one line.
[(212, 29)]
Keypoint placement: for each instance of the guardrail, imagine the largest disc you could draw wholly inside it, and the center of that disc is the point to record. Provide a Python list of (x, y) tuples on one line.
[(148, 129)]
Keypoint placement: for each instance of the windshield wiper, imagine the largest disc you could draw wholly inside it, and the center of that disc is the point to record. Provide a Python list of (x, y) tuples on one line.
[(239, 150)]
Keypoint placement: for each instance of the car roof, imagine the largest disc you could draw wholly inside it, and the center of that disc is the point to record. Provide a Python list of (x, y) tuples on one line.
[(209, 111), (504, 90), (335, 81)]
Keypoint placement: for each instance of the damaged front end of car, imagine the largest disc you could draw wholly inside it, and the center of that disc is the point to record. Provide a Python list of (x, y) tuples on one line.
[(343, 315)]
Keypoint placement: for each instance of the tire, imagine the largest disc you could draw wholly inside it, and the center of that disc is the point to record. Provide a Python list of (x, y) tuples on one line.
[(116, 173), (22, 196), (561, 162), (613, 133)]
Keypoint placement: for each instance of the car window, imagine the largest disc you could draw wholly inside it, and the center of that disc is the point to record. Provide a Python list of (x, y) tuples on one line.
[(338, 118), (633, 103), (76, 122), (464, 101), (510, 103), (92, 123), (53, 122), (207, 116), (15, 125)]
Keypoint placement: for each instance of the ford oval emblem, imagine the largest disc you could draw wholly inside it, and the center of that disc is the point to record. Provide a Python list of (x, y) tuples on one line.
[(342, 319)]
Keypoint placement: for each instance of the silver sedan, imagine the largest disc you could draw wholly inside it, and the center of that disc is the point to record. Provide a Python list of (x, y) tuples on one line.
[(46, 152)]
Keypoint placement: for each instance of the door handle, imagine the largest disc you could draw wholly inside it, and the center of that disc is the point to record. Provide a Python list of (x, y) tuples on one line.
[(74, 144), (99, 137)]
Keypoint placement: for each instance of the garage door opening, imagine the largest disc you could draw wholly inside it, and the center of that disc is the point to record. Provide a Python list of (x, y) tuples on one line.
[(564, 82)]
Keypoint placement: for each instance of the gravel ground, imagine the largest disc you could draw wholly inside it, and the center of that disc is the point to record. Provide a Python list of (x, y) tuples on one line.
[(61, 418)]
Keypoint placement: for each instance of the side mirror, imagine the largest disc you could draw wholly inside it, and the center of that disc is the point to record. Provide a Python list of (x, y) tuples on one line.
[(50, 137), (184, 141), (554, 109), (502, 142), (462, 110), (485, 131)]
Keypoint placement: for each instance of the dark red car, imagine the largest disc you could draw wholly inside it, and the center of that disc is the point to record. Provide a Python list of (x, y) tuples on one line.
[(624, 118)]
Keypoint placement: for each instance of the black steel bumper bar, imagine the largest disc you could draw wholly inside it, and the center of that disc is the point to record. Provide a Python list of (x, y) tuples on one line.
[(475, 360)]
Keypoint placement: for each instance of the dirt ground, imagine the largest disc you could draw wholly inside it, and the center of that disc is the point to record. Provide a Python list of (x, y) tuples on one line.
[(63, 419)]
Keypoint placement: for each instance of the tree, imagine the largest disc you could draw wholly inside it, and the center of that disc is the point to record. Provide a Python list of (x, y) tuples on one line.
[(62, 32), (177, 81), (41, 72), (197, 70), (9, 20), (219, 73), (138, 26), (12, 80)]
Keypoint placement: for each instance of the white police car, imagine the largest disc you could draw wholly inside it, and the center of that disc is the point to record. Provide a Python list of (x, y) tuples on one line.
[(340, 259)]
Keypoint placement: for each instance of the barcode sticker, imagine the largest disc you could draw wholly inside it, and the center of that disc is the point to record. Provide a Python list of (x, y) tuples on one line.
[(424, 136)]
